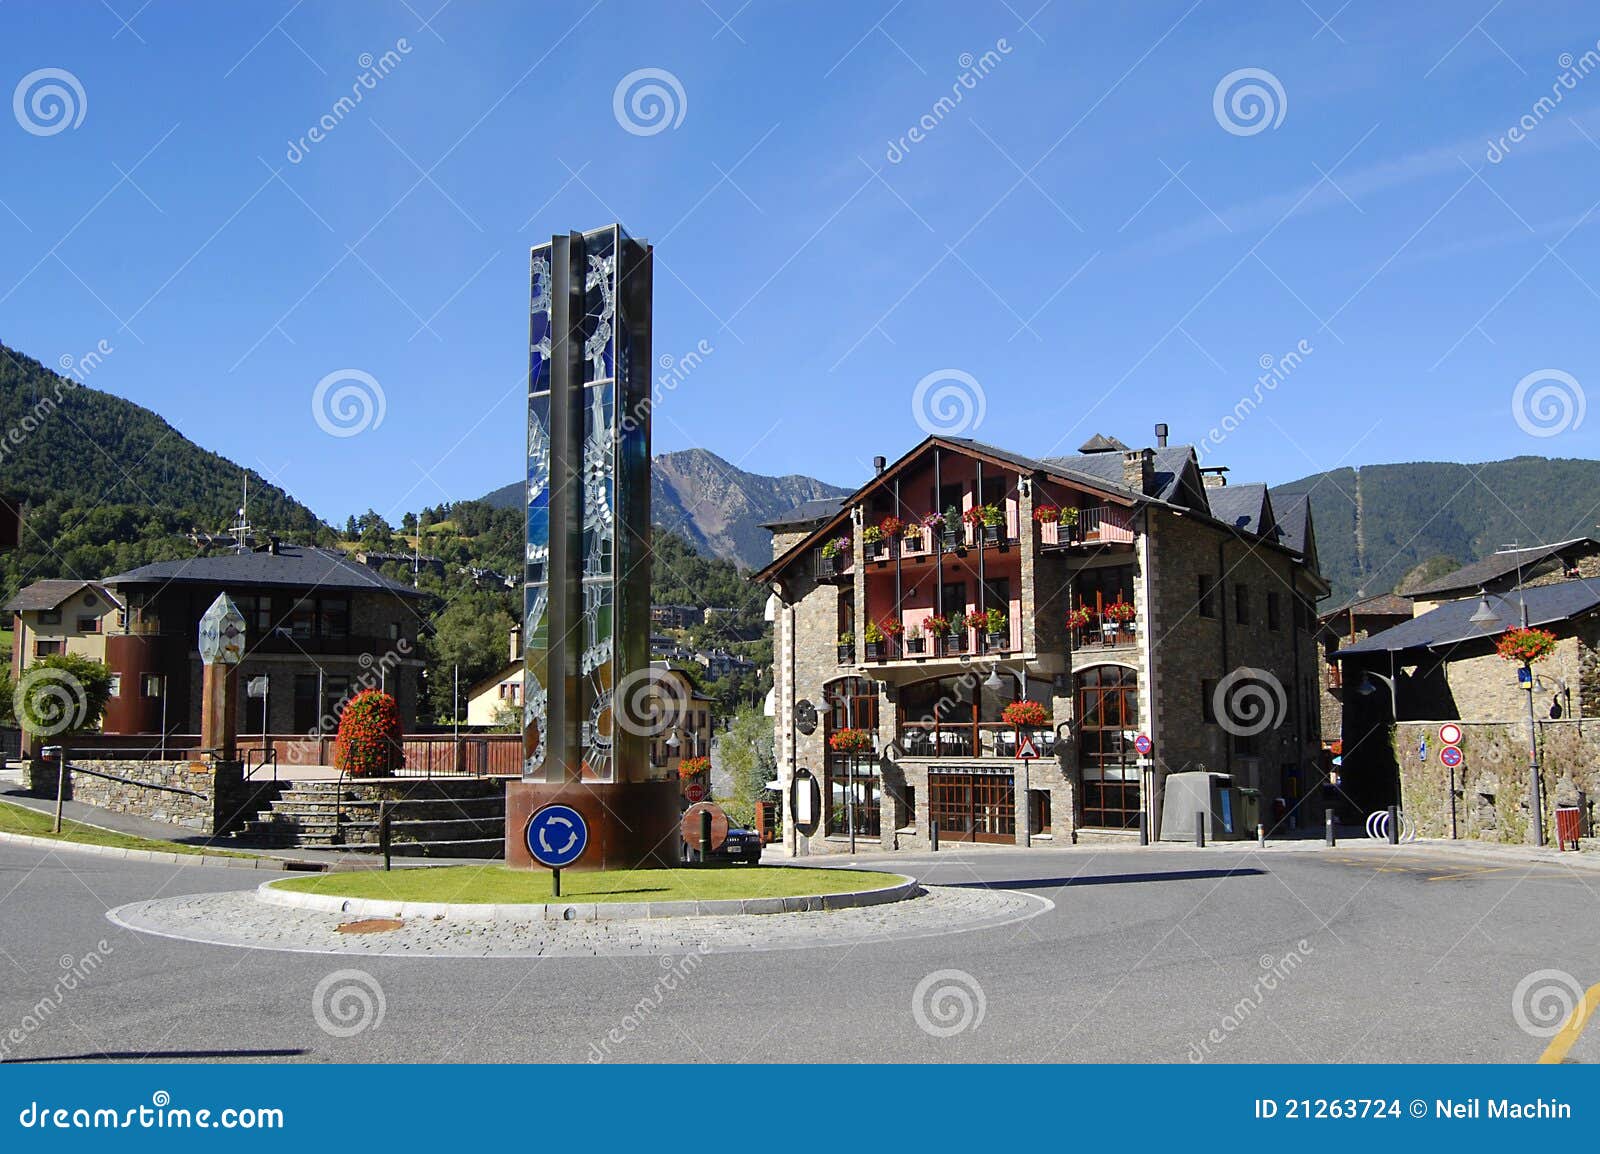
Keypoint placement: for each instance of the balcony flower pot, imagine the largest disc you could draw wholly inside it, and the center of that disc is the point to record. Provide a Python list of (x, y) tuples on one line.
[(915, 643), (950, 528), (873, 636), (995, 624), (847, 649)]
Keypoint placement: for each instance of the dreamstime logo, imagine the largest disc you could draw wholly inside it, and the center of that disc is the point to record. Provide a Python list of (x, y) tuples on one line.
[(356, 405), (948, 1002), (1548, 402), (648, 101), (674, 371), (648, 702), (373, 69), (347, 1002), (1276, 370), (81, 367), (1544, 1000), (676, 973), (1573, 69), (74, 972), (1249, 701), (48, 101), (973, 69), (1275, 972), (1248, 101), (50, 701), (948, 402)]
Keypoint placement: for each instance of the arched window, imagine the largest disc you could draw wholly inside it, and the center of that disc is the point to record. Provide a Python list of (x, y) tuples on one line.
[(1108, 723)]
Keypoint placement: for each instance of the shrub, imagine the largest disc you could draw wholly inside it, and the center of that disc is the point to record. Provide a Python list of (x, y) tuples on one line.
[(60, 695), (369, 736)]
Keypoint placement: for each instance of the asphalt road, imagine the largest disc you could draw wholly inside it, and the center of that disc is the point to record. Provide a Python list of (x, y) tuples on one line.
[(1162, 956)]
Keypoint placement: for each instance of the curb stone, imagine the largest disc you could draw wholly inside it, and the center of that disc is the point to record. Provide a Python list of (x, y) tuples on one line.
[(214, 861), (905, 887)]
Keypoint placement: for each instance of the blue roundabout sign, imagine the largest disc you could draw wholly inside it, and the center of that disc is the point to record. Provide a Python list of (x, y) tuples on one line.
[(556, 836)]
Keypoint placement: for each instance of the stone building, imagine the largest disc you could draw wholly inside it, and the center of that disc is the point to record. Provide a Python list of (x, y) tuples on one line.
[(319, 626), (1124, 592), (1442, 666), (1353, 621)]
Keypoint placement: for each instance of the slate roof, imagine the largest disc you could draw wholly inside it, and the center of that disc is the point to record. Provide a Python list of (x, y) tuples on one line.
[(1107, 469), (807, 511), (1451, 624), (1240, 506), (1494, 567), (295, 566), (1378, 605), (47, 594), (1293, 511)]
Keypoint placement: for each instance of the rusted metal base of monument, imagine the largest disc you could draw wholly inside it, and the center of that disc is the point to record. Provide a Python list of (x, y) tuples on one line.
[(632, 825)]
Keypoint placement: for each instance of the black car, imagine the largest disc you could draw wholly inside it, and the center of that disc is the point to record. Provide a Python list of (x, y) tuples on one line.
[(740, 845)]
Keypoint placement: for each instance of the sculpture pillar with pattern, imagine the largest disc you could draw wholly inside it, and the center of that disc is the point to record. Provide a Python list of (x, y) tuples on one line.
[(586, 592)]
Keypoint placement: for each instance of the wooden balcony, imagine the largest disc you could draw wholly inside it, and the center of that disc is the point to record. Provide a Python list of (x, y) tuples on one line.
[(1097, 525)]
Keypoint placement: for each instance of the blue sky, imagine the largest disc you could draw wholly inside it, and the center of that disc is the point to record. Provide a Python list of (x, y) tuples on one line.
[(1084, 236)]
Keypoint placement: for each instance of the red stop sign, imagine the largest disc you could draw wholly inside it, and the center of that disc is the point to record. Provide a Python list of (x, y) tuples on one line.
[(695, 792)]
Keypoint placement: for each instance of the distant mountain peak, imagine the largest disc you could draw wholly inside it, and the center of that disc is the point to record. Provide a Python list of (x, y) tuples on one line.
[(715, 505)]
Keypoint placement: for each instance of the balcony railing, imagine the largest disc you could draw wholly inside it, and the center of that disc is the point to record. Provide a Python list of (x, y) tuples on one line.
[(1098, 525), (938, 739), (828, 568), (1106, 634), (963, 641)]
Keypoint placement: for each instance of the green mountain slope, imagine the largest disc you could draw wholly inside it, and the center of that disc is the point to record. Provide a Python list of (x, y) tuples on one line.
[(108, 484), (1376, 524)]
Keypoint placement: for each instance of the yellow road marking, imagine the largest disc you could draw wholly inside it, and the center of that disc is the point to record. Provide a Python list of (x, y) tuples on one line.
[(1471, 873), (1567, 1037)]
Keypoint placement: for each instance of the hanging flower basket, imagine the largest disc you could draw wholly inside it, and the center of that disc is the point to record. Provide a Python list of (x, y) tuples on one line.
[(1025, 714), (850, 741), (1080, 618), (1121, 612), (693, 767), (1526, 645)]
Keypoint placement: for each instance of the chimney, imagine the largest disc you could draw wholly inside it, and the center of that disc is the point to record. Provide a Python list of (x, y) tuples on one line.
[(516, 643), (1161, 435), (1214, 477), (879, 464), (1138, 469)]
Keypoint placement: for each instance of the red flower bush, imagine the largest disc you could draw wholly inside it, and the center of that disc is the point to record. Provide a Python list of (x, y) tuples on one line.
[(370, 734), (1527, 645), (850, 741), (1120, 611), (1080, 617), (1025, 713), (693, 767)]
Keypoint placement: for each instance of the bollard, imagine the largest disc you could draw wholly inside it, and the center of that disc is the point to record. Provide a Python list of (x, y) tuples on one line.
[(705, 836), (1327, 827), (61, 781), (933, 836), (1261, 835), (1200, 828), (1394, 825), (383, 833), (1144, 828)]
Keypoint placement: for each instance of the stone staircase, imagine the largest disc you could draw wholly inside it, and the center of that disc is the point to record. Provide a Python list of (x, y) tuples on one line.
[(437, 817)]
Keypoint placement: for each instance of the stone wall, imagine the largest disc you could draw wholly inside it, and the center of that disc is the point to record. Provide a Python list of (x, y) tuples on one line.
[(1492, 782), (215, 799)]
